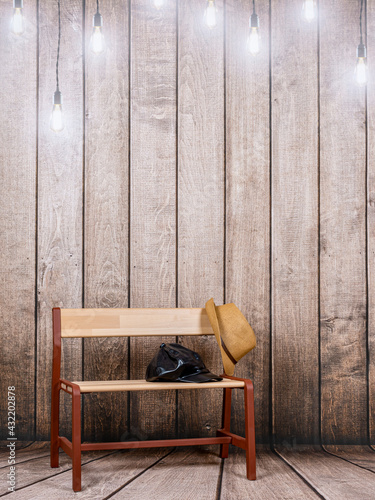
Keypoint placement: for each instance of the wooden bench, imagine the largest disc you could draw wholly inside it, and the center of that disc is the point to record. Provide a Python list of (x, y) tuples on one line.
[(81, 323)]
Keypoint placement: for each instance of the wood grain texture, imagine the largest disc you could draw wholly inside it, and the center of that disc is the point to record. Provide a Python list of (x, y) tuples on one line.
[(332, 477), (275, 480), (343, 229), (182, 474), (24, 451), (248, 200), (152, 196), (18, 81), (106, 210), (200, 193), (143, 385), (59, 266), (295, 332), (363, 456), (39, 469), (120, 467), (134, 322), (371, 223)]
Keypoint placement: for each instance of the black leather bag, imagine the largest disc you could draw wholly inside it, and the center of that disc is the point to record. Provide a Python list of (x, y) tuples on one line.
[(176, 363)]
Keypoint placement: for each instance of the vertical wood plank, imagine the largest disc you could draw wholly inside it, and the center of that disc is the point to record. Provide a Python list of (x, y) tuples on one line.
[(59, 272), (371, 220), (247, 195), (153, 197), (18, 81), (106, 212), (343, 227), (295, 333), (200, 194)]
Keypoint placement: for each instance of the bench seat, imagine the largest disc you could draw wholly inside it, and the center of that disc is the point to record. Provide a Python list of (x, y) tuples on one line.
[(143, 385)]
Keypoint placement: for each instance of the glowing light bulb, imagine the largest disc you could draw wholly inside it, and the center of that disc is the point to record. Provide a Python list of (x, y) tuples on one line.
[(210, 14), (253, 40), (309, 10), (158, 4), (361, 66), (18, 22), (97, 44), (57, 119), (361, 71)]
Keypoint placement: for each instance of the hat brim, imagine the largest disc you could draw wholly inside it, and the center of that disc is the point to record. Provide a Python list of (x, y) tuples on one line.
[(200, 377), (212, 316)]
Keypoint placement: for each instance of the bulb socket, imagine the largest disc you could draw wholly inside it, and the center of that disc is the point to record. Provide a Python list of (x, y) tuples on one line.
[(18, 4), (97, 21), (57, 97), (254, 21), (361, 50)]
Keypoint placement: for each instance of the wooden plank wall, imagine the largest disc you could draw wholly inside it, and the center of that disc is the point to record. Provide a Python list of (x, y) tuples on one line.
[(247, 274), (152, 198), (200, 166), (106, 252), (189, 169), (371, 227), (343, 226), (294, 222), (18, 105)]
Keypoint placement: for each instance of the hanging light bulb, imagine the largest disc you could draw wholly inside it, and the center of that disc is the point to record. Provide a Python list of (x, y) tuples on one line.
[(360, 72), (158, 4), (97, 38), (210, 14), (361, 66), (309, 10), (57, 121), (18, 22), (253, 40)]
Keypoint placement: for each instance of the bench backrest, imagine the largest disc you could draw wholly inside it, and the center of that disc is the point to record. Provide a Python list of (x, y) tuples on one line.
[(134, 322), (72, 323)]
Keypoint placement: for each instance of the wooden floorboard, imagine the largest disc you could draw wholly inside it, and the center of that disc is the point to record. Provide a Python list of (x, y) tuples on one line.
[(363, 456), (332, 477), (24, 451), (100, 477), (34, 471), (275, 479), (196, 473), (186, 473)]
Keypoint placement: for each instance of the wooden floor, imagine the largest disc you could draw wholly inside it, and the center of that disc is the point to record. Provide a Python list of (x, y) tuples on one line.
[(333, 473)]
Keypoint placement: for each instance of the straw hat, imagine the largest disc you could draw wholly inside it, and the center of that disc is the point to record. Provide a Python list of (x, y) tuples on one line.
[(232, 331)]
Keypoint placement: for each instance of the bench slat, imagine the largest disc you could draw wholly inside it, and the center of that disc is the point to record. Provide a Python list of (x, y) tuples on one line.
[(143, 385), (134, 322)]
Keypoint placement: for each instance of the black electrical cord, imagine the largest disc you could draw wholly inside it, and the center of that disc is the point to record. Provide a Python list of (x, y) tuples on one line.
[(97, 6), (58, 47), (254, 6)]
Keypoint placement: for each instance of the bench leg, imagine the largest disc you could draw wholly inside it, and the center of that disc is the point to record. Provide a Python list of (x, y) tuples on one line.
[(250, 430), (76, 439), (224, 448), (55, 405)]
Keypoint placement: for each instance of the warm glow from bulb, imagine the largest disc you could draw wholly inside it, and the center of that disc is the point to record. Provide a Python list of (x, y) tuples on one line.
[(361, 71), (158, 4), (57, 123), (210, 14), (97, 40), (17, 24), (308, 10), (253, 45)]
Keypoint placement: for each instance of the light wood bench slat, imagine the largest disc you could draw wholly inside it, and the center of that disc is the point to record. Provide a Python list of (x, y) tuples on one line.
[(134, 322), (143, 385)]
